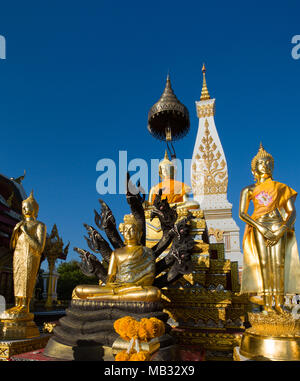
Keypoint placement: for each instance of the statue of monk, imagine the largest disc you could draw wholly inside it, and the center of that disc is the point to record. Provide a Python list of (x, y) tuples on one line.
[(131, 271), (174, 191), (28, 241), (271, 261)]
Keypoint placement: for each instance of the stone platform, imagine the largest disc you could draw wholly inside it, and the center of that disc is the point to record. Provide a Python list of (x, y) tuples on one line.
[(10, 348), (87, 332)]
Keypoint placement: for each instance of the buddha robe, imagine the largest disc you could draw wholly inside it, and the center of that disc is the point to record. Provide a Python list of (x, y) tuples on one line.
[(173, 190), (267, 197), (27, 256)]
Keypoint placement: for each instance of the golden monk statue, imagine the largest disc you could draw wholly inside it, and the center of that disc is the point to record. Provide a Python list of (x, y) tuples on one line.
[(28, 241), (174, 191), (131, 271), (271, 262)]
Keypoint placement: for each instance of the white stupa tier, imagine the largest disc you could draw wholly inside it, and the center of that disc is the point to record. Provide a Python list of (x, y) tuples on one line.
[(209, 179)]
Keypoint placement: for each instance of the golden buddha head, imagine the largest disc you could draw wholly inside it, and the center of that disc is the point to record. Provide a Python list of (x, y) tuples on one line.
[(166, 168), (262, 164), (30, 207), (131, 229)]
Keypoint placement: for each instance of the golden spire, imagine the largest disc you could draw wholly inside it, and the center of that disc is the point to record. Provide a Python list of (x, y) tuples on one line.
[(204, 93)]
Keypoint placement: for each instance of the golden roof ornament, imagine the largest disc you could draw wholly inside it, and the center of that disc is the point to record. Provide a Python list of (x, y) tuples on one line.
[(262, 153), (19, 179), (168, 119), (204, 93)]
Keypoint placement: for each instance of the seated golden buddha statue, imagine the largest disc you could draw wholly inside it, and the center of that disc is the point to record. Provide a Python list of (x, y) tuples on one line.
[(271, 261), (174, 191), (131, 271)]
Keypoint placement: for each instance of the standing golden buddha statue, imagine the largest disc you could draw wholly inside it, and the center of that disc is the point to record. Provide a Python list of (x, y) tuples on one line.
[(28, 241), (271, 261), (271, 266)]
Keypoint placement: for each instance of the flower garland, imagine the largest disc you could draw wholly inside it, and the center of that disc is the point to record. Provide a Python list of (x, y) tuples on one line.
[(133, 331)]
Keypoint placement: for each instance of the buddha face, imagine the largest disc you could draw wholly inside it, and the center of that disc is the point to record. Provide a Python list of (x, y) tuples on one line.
[(264, 167), (28, 209), (130, 232), (167, 172)]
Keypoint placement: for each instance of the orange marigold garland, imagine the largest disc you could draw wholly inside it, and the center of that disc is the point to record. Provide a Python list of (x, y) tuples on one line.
[(143, 333), (150, 328), (126, 327), (140, 356), (131, 330), (122, 356)]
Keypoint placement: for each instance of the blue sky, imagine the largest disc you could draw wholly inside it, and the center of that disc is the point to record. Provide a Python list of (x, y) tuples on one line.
[(80, 77)]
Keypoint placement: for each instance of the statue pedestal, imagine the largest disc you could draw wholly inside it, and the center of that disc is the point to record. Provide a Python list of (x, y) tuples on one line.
[(19, 327), (237, 355), (122, 345), (9, 348), (272, 336), (87, 331), (256, 347)]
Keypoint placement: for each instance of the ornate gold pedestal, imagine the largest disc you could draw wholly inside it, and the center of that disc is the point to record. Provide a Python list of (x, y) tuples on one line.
[(205, 305), (272, 336), (19, 335), (9, 348), (21, 327), (122, 345), (272, 348)]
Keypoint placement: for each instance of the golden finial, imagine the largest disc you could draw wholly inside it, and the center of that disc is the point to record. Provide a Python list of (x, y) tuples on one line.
[(204, 93), (262, 153)]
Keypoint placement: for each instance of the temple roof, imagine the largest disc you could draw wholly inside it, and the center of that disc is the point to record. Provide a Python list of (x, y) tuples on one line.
[(12, 194)]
